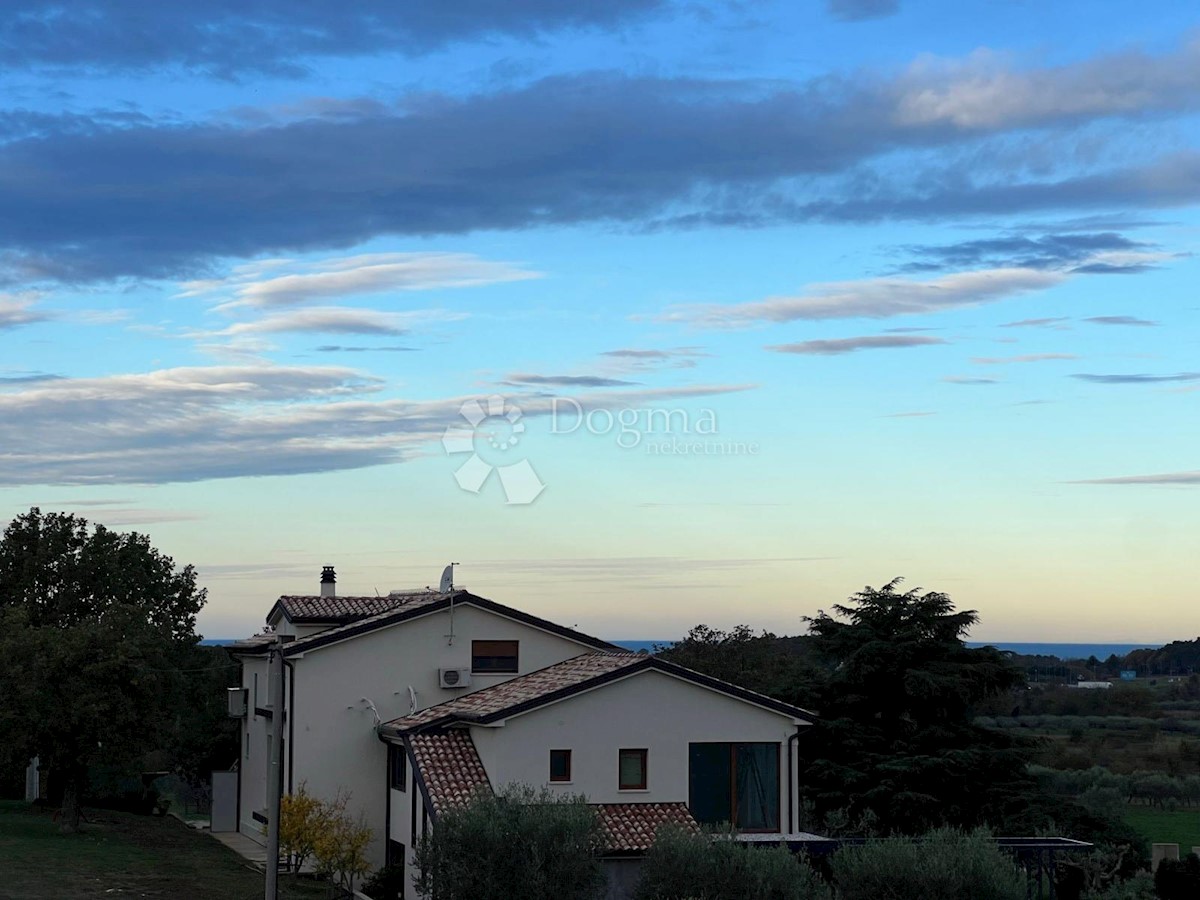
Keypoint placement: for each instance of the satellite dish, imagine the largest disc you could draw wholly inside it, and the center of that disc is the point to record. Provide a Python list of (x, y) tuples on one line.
[(447, 584)]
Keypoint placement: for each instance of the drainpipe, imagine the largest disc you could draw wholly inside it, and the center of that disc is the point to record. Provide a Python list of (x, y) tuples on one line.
[(291, 720)]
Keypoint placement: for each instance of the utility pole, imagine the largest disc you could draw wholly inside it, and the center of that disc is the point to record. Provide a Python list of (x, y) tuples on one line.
[(275, 772)]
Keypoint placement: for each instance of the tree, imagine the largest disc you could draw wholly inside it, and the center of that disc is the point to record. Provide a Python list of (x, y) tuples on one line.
[(92, 627), (896, 735), (543, 844)]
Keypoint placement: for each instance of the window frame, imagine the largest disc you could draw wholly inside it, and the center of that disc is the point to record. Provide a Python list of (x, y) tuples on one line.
[(733, 793), (644, 754), (397, 756), (566, 779), (494, 669)]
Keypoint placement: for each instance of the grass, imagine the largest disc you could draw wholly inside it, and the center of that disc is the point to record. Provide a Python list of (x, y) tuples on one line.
[(1160, 826), (124, 855)]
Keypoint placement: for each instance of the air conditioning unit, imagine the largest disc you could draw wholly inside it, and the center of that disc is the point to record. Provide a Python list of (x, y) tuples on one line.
[(237, 698), (454, 678)]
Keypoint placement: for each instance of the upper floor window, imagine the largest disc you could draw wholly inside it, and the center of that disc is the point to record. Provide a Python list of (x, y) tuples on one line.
[(560, 765), (489, 657), (631, 765), (398, 766)]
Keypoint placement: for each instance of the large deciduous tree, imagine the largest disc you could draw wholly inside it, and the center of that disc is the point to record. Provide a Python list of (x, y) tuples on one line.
[(896, 735), (93, 624)]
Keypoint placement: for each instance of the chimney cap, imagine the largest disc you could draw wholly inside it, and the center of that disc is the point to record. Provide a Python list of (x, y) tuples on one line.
[(328, 576)]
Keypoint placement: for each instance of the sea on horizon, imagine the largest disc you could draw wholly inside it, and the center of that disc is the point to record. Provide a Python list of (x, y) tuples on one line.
[(1061, 650)]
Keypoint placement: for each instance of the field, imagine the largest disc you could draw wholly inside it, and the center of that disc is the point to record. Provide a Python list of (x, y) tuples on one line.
[(1159, 826), (123, 855)]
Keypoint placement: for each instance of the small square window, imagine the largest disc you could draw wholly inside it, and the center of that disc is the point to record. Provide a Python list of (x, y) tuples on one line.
[(399, 766), (632, 770), (560, 765), (499, 657)]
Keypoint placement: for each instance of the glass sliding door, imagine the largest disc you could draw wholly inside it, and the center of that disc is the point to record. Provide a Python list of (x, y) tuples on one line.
[(735, 783)]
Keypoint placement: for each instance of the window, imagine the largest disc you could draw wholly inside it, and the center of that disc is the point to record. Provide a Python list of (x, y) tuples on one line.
[(398, 766), (395, 858), (489, 657), (735, 783), (560, 765), (632, 770)]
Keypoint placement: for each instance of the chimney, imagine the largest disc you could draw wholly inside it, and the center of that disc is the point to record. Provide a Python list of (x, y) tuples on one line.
[(328, 582)]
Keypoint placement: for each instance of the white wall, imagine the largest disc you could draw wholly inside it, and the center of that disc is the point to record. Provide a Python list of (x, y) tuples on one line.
[(256, 732), (652, 710), (335, 744)]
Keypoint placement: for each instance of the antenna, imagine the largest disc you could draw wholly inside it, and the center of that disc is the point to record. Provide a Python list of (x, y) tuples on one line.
[(447, 584)]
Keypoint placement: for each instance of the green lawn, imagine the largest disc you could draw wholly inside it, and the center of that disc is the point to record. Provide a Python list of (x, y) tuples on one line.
[(1181, 827), (122, 855)]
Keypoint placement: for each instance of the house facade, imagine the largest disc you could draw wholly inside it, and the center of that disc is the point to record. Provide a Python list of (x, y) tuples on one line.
[(644, 740), (352, 662)]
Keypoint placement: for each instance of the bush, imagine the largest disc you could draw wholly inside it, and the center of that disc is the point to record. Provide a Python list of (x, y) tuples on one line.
[(683, 865), (1139, 887), (540, 843), (1178, 879), (386, 884), (945, 865)]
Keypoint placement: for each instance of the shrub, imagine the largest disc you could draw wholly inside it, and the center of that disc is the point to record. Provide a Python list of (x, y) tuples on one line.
[(322, 830), (683, 865), (945, 865), (386, 883), (1139, 887), (543, 844), (1178, 879)]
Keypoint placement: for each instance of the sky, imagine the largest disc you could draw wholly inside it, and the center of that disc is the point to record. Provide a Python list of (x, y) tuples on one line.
[(647, 313)]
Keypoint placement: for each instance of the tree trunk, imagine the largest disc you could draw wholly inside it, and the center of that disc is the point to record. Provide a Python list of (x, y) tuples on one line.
[(73, 781)]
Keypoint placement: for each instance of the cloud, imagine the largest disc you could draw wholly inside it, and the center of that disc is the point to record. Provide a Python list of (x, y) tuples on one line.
[(1166, 478), (1104, 252), (1120, 320), (589, 381), (202, 423), (15, 311), (1024, 358), (874, 298), (259, 285), (337, 348), (586, 148), (27, 378), (322, 320), (909, 415), (1139, 378), (859, 10), (968, 380), (635, 359), (1054, 322), (839, 346), (271, 36)]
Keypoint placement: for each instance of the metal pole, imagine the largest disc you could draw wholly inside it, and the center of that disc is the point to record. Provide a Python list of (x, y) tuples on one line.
[(275, 770)]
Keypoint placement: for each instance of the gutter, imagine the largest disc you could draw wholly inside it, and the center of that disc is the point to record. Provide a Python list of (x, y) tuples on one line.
[(291, 721)]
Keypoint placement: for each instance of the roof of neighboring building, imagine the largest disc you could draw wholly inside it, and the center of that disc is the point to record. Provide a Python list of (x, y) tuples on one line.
[(449, 767), (562, 680), (413, 605), (631, 827)]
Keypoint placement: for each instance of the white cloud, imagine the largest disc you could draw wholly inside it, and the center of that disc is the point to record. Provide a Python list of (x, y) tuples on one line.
[(1024, 358), (278, 282), (874, 298), (17, 310), (838, 346), (333, 320), (1165, 478)]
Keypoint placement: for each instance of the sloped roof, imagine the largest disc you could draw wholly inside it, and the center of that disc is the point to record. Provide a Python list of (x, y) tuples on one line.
[(420, 603), (449, 766), (342, 610), (631, 827), (562, 680)]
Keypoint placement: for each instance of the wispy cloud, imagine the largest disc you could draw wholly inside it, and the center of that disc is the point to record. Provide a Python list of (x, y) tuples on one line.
[(909, 415), (587, 381), (1055, 322), (338, 348), (264, 285), (1138, 378), (1120, 320), (874, 298), (1165, 478), (17, 310), (968, 380), (860, 10), (837, 346), (672, 358), (1024, 358), (1103, 252), (328, 320)]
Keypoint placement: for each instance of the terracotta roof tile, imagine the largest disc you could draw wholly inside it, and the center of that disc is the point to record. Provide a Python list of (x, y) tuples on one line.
[(450, 767), (344, 610), (631, 827), (508, 694)]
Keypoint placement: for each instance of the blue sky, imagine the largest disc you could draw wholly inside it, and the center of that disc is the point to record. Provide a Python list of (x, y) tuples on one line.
[(780, 299)]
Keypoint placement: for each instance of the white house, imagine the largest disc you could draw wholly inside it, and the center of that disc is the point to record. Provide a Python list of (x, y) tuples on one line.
[(351, 662), (646, 741)]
